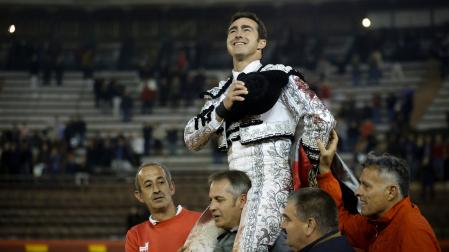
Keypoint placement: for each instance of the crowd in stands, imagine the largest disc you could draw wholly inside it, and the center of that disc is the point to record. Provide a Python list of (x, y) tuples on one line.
[(171, 76), (161, 89), (63, 148)]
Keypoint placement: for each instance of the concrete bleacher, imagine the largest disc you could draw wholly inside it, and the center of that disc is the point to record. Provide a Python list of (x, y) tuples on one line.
[(435, 115), (342, 84), (39, 107)]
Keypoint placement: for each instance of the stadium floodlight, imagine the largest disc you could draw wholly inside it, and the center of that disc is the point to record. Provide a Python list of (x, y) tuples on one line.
[(366, 22), (12, 29)]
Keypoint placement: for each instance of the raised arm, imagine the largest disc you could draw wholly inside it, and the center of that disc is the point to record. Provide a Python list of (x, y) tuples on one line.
[(355, 227)]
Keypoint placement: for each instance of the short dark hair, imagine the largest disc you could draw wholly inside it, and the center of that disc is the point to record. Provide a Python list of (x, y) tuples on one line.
[(261, 29), (240, 182), (144, 165), (391, 165), (313, 202)]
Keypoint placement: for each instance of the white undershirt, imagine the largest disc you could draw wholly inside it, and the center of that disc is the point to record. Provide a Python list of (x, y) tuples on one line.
[(154, 222)]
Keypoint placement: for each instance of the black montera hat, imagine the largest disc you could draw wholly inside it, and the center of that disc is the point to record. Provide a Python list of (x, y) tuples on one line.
[(264, 89)]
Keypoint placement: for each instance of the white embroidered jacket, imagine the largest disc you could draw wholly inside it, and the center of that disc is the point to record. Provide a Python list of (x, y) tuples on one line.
[(297, 103)]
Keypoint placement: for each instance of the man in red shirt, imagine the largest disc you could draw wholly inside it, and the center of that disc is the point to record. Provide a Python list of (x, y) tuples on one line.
[(389, 221), (168, 226)]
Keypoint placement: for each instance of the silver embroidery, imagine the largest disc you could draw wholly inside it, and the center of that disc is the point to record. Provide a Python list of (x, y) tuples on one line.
[(318, 121), (267, 166), (266, 130), (197, 139)]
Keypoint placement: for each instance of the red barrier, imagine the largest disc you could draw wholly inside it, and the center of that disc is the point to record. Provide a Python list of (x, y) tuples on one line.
[(85, 246), (62, 246)]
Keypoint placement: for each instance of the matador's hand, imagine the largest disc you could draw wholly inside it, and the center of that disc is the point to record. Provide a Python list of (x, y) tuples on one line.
[(236, 92), (327, 154)]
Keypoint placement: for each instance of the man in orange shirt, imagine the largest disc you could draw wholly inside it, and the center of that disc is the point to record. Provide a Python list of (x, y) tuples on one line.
[(389, 221), (168, 226)]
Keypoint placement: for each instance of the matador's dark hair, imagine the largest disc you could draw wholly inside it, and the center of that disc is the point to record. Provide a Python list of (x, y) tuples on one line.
[(261, 29)]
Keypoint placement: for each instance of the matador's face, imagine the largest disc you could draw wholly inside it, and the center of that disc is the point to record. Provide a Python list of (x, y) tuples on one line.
[(243, 41)]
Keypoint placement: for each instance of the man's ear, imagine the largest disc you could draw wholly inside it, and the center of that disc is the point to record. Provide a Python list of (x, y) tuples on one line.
[(392, 192), (242, 200), (138, 196), (311, 226), (172, 188), (261, 44)]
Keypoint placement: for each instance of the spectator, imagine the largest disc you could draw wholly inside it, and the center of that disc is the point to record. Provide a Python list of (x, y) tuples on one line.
[(174, 83), (227, 195), (79, 127), (198, 83), (427, 175), (163, 89), (391, 105), (406, 108), (115, 96), (356, 70), (323, 68), (59, 64), (172, 140), (123, 156), (375, 65), (147, 96), (159, 135), (47, 63), (72, 166), (99, 84), (126, 106), (105, 97), (188, 90), (106, 154), (34, 68), (437, 156), (389, 221), (311, 222), (137, 144), (397, 73), (55, 161), (409, 151), (376, 106), (93, 156), (147, 138), (168, 226), (87, 64)]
